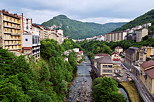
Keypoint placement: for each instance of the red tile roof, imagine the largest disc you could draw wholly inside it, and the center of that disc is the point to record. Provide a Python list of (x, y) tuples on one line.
[(147, 64), (150, 73)]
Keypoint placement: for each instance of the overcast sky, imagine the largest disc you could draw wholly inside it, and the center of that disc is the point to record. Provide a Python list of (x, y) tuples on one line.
[(99, 11)]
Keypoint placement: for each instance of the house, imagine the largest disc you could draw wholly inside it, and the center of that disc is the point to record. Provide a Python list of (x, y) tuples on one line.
[(116, 58), (147, 75)]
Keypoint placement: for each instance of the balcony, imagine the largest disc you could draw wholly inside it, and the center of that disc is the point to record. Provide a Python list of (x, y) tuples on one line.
[(14, 49), (11, 21), (12, 27), (8, 39), (15, 34), (12, 44), (6, 32)]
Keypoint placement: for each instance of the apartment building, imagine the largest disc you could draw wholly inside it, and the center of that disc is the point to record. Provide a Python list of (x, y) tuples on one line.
[(10, 32), (27, 36), (140, 33), (36, 41), (131, 56), (104, 66), (31, 41), (149, 51), (115, 36)]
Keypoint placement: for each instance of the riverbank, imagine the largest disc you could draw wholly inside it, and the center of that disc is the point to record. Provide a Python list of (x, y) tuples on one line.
[(132, 91)]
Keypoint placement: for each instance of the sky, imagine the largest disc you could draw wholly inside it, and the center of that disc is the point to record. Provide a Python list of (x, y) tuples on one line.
[(98, 11)]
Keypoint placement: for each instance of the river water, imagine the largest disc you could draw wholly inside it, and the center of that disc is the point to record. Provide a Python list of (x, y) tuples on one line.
[(80, 90)]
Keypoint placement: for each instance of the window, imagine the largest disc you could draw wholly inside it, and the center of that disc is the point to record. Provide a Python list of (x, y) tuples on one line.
[(110, 66), (104, 66), (107, 71), (26, 39)]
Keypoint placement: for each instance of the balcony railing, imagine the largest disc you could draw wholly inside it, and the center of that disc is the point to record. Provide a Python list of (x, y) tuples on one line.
[(14, 22), (12, 27)]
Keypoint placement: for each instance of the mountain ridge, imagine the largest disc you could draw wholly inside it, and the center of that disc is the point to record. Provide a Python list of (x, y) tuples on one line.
[(148, 17), (78, 30)]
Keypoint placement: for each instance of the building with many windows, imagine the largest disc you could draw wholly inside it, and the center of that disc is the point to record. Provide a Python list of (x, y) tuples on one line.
[(31, 41), (10, 32)]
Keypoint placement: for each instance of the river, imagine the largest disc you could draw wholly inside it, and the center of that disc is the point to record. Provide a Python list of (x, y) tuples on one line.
[(80, 89)]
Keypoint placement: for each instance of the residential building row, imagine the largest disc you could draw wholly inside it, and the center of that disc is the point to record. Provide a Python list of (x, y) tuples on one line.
[(140, 63), (135, 34), (19, 35)]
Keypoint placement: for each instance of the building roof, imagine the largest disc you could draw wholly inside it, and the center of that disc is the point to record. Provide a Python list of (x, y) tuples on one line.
[(104, 60), (10, 14), (147, 64), (135, 48), (150, 73), (102, 54), (116, 59)]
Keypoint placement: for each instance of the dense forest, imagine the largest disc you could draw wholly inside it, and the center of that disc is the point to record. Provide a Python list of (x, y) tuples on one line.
[(80, 30), (25, 80), (146, 18)]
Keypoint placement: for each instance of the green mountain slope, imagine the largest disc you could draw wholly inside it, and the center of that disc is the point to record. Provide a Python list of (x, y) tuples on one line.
[(146, 18), (79, 30)]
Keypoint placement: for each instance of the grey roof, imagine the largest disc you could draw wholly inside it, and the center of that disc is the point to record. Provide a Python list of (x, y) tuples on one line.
[(104, 60), (135, 48)]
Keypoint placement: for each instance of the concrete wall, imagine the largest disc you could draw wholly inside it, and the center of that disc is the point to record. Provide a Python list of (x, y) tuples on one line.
[(27, 41)]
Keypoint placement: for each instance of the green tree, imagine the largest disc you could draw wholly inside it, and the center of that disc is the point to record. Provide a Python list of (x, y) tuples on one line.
[(106, 90)]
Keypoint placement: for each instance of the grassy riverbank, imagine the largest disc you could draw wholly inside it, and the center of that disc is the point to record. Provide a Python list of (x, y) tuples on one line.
[(132, 91)]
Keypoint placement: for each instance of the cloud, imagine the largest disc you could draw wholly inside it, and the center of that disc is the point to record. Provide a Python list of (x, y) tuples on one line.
[(89, 10), (103, 20)]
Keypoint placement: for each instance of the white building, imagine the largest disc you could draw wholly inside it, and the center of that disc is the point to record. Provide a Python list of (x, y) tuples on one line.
[(30, 39)]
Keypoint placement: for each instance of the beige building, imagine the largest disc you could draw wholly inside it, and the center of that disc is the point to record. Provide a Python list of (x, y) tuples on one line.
[(104, 66), (149, 51), (140, 33), (147, 75), (115, 36), (10, 32), (131, 56)]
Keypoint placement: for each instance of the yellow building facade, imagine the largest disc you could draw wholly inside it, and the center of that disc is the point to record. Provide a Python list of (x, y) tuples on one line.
[(10, 32)]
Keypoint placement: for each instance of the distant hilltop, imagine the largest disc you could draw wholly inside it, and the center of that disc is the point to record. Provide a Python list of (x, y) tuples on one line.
[(80, 30)]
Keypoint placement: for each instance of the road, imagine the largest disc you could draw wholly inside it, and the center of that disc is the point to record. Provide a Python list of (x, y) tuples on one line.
[(146, 96), (80, 90)]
